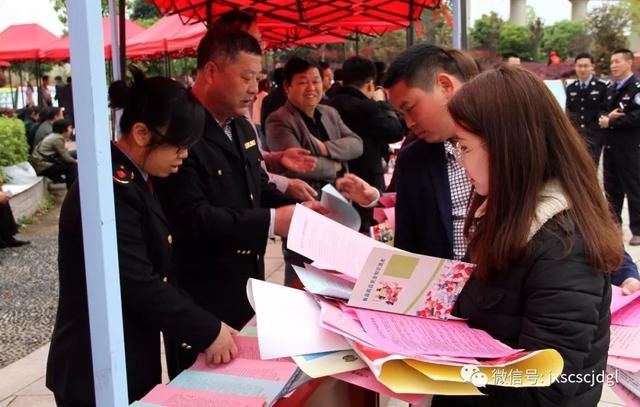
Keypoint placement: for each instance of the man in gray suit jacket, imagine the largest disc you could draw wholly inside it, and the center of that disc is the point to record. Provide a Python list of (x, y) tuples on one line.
[(303, 122)]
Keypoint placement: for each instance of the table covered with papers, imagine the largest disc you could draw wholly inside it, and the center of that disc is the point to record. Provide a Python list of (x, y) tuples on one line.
[(378, 318)]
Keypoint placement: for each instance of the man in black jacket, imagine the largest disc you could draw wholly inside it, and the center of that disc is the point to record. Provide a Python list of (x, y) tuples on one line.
[(375, 122), (621, 118), (220, 203)]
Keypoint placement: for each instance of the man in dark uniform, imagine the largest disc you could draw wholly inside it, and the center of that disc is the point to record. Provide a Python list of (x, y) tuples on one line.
[(220, 203), (621, 118), (584, 104)]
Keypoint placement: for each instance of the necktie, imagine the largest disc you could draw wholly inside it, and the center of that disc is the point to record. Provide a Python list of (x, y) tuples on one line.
[(226, 127), (583, 85)]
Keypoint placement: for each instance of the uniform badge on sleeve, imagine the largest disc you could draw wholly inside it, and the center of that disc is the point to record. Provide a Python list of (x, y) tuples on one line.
[(636, 99), (122, 175)]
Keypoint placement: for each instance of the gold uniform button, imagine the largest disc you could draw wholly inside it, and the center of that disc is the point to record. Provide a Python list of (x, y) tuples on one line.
[(248, 251), (165, 279), (251, 196), (170, 239), (219, 172), (184, 345), (188, 347), (238, 251)]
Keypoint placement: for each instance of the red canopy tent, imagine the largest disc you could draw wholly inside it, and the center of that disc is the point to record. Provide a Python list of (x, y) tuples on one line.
[(59, 50), (302, 12), (23, 42), (168, 35), (340, 18)]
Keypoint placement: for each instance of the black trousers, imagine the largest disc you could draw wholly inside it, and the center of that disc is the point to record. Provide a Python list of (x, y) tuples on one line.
[(63, 403), (8, 226), (69, 170), (622, 178), (594, 140)]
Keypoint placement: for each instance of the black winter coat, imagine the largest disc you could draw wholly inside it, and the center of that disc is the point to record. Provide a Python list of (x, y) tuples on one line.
[(219, 206), (548, 299), (150, 304), (377, 125)]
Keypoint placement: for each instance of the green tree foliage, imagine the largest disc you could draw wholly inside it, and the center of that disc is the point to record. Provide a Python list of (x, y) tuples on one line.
[(515, 39), (13, 143), (634, 7), (536, 28), (568, 38), (60, 7), (609, 26), (485, 33), (144, 10), (435, 28), (144, 13)]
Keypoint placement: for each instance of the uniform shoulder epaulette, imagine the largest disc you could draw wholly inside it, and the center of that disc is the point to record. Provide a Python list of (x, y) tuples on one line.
[(574, 83), (122, 175), (602, 81)]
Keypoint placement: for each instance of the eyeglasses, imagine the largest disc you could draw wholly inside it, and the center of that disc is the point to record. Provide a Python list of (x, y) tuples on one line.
[(179, 148), (459, 151)]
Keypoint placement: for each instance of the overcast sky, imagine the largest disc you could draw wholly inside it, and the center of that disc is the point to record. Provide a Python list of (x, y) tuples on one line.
[(41, 11)]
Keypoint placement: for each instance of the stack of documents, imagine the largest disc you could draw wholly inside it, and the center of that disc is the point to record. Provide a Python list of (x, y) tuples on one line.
[(246, 381), (380, 318), (624, 348)]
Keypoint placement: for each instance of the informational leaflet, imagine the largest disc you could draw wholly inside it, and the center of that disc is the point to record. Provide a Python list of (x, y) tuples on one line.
[(289, 322), (169, 396), (409, 284), (329, 244), (625, 341), (329, 363), (411, 336), (320, 282), (408, 375), (340, 209)]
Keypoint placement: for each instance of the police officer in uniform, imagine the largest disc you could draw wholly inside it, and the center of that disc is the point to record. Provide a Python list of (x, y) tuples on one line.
[(621, 118), (159, 121), (584, 104)]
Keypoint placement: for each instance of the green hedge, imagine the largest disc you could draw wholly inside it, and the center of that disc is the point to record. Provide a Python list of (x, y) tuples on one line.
[(13, 143)]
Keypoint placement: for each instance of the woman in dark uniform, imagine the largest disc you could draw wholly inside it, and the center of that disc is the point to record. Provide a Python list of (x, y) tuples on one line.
[(159, 122)]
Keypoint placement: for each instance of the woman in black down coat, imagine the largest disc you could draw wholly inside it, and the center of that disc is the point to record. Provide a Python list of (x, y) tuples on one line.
[(540, 232)]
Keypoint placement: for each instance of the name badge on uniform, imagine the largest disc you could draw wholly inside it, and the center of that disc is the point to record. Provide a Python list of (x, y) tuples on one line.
[(595, 92), (573, 93), (626, 97), (249, 144)]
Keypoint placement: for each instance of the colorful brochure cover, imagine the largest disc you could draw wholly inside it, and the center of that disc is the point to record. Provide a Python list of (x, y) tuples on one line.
[(410, 284)]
